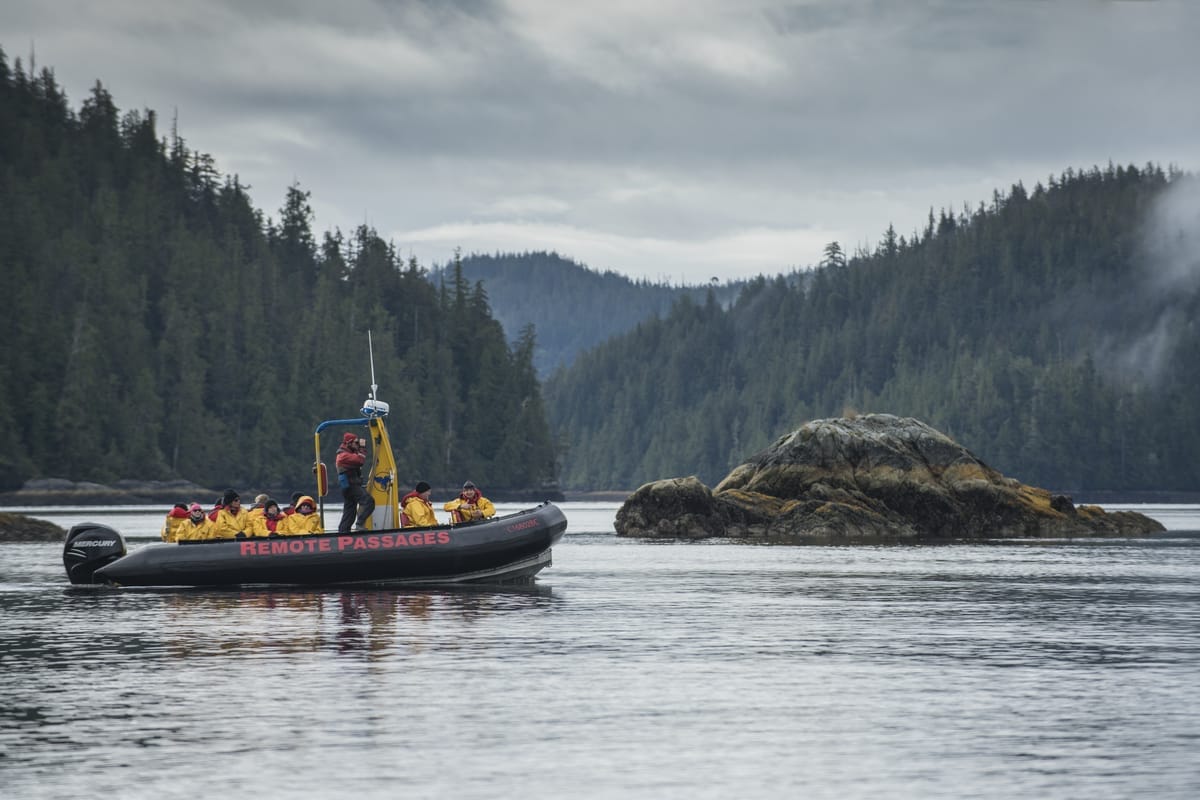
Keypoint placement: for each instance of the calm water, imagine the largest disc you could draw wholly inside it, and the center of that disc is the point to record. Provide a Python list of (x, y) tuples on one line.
[(634, 669)]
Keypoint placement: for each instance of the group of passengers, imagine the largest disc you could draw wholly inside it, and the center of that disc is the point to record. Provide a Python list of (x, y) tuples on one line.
[(416, 507), (228, 520)]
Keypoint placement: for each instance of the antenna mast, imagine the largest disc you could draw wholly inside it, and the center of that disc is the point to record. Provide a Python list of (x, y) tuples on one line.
[(371, 351), (373, 407)]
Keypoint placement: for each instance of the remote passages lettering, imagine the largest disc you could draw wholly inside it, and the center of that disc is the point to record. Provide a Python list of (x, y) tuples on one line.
[(341, 544)]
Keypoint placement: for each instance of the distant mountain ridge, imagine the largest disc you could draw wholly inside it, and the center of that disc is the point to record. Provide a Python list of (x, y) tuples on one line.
[(572, 307)]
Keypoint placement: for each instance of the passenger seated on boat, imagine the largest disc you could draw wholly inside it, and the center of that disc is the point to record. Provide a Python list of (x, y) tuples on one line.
[(175, 518), (231, 519), (218, 504), (291, 509), (415, 509), (470, 505), (256, 510), (305, 520), (267, 522), (195, 526)]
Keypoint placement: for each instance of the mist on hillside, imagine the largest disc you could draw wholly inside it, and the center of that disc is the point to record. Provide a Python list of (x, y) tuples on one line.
[(1169, 261)]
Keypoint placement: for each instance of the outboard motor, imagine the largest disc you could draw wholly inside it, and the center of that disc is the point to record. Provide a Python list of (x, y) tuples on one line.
[(90, 546)]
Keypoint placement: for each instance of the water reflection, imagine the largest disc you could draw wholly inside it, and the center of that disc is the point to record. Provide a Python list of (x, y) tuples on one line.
[(371, 623)]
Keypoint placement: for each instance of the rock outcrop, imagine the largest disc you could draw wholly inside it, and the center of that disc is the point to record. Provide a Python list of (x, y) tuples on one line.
[(19, 528), (874, 478)]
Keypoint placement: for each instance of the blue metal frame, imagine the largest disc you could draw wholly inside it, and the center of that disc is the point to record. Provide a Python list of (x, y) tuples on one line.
[(364, 421)]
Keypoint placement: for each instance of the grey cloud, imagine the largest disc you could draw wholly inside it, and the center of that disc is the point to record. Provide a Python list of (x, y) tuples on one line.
[(672, 120)]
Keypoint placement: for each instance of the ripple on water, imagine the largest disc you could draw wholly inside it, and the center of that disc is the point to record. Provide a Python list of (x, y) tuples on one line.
[(710, 670)]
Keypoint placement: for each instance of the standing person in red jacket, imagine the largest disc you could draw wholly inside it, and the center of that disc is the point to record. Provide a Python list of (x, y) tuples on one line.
[(357, 503)]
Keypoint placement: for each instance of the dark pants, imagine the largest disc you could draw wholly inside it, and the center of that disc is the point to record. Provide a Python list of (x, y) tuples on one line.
[(357, 505)]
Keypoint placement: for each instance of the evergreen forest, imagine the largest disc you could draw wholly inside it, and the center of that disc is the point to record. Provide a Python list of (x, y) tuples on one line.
[(158, 326), (1052, 331)]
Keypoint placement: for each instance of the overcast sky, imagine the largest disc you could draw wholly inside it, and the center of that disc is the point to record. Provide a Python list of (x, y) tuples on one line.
[(676, 140)]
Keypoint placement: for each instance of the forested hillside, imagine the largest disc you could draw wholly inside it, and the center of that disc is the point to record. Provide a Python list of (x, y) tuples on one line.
[(572, 307), (1053, 332), (157, 325)]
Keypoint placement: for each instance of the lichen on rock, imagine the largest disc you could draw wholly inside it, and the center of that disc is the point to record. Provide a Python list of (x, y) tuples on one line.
[(873, 478)]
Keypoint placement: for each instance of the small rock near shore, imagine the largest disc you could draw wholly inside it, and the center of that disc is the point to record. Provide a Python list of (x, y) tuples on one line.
[(19, 528)]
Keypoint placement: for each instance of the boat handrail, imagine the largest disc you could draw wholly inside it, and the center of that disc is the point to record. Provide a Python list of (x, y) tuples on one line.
[(331, 422)]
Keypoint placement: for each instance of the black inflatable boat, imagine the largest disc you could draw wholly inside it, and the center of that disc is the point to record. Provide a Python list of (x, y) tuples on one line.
[(508, 549)]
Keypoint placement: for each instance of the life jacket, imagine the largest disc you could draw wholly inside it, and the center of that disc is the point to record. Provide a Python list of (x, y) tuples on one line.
[(456, 514)]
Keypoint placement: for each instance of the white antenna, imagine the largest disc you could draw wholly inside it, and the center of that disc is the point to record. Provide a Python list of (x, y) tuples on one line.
[(371, 351), (373, 407)]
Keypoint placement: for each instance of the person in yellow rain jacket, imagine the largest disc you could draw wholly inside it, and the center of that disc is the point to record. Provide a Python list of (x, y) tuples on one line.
[(230, 519), (195, 526), (415, 509), (267, 522), (305, 520), (257, 509), (175, 519), (470, 505)]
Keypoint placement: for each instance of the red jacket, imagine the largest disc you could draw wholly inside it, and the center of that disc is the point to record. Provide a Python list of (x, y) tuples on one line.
[(350, 462), (348, 459)]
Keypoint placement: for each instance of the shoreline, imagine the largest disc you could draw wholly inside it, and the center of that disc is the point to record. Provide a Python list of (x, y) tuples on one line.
[(52, 492), (1101, 497), (597, 496)]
